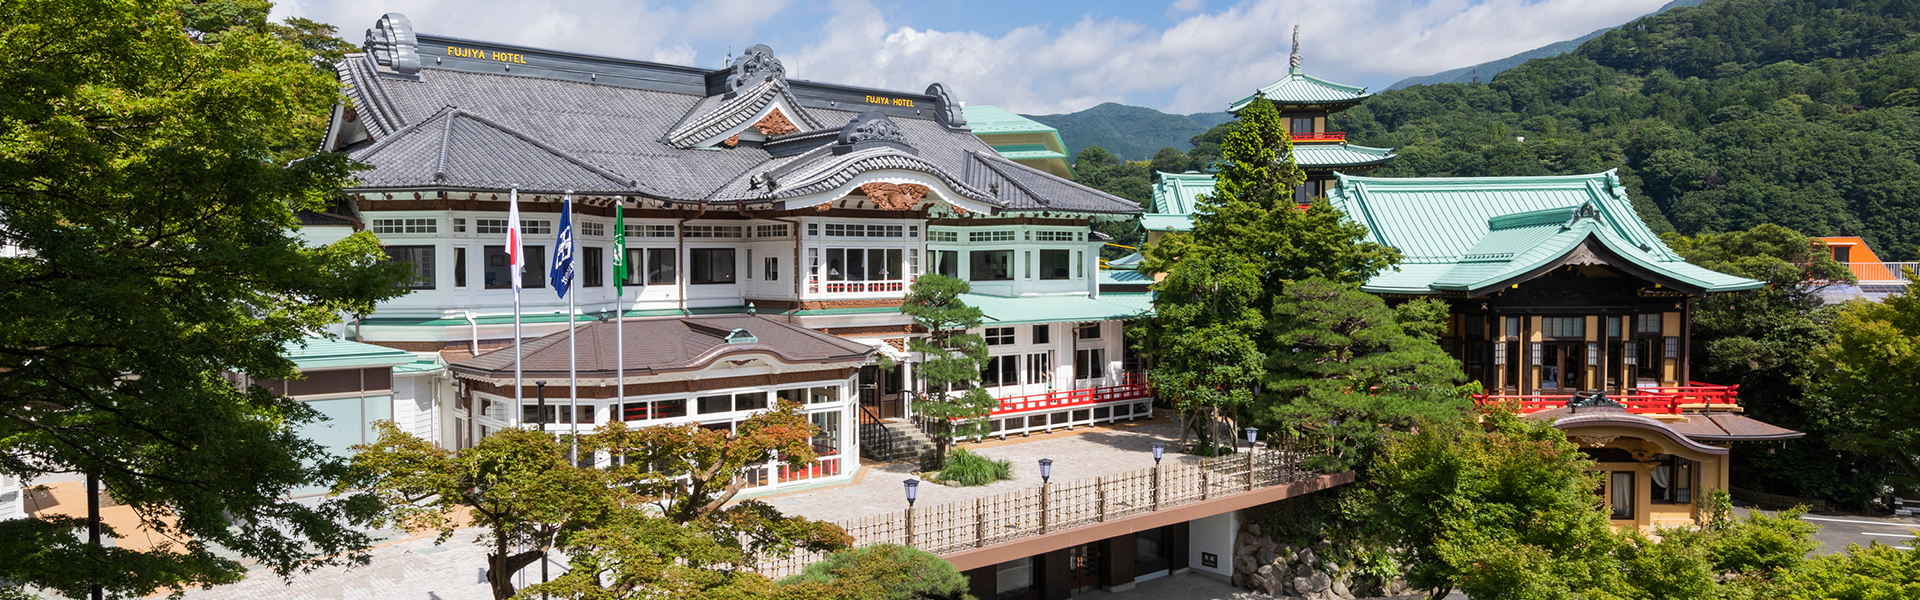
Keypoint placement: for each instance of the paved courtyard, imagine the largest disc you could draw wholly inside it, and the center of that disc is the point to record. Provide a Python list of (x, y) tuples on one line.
[(1081, 453), (413, 569)]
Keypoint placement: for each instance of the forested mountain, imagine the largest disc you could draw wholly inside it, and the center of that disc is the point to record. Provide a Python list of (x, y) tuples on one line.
[(1131, 132), (1486, 70), (1720, 117)]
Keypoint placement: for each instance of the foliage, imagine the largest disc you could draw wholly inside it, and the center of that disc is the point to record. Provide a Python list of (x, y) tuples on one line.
[(949, 357), (1763, 544), (1870, 374), (1350, 369), (150, 182), (1507, 513), (878, 572), (632, 530), (1203, 339), (965, 468), (1874, 572), (1766, 340)]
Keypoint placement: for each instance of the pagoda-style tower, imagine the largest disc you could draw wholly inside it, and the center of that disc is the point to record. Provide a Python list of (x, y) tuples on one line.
[(1305, 102)]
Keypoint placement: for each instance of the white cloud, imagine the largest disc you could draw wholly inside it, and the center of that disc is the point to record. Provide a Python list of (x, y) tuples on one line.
[(1200, 63), (1184, 6)]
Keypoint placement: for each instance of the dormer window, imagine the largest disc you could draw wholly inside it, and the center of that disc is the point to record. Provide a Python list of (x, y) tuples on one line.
[(741, 336)]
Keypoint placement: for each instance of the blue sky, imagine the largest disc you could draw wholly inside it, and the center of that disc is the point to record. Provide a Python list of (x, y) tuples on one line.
[(1031, 56)]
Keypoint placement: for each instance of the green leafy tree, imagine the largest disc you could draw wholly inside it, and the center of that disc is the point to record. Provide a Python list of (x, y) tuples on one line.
[(1875, 571), (1203, 339), (1870, 374), (1349, 369), (150, 181), (949, 358), (879, 572)]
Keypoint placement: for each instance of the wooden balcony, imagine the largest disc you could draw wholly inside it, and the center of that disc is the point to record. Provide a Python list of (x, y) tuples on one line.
[(1695, 396), (985, 531), (888, 287), (1324, 137)]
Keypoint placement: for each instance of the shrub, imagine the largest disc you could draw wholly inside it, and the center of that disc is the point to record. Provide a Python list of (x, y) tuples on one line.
[(878, 572), (968, 469)]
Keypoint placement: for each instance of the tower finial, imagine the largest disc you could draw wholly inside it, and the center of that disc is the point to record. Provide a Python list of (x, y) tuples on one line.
[(1294, 59)]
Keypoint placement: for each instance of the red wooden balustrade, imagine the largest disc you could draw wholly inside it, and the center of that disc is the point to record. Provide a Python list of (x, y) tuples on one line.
[(1325, 136), (1667, 400)]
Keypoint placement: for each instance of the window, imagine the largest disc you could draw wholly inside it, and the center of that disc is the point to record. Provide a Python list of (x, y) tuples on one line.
[(1672, 480), (404, 225), (943, 236), (500, 274), (855, 230), (556, 413), (1090, 331), (418, 257), (990, 265), (658, 409), (532, 227), (1026, 265), (1013, 578), (1622, 494), (990, 236), (1672, 347), (913, 231), (1040, 368), (913, 261), (715, 231), (489, 225), (827, 441), (710, 265), (1053, 265), (750, 401), (773, 268), (1057, 236), (1513, 327), (590, 262), (1613, 327), (813, 230), (999, 336), (459, 225), (1001, 370), (1042, 333), (857, 264), (1090, 363), (1300, 125), (659, 265), (459, 267), (650, 231), (1564, 327), (946, 262), (593, 228), (715, 404), (822, 395), (749, 263), (770, 231), (1648, 324)]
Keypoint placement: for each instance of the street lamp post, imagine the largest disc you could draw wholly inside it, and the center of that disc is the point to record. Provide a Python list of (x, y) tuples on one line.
[(1253, 434), (913, 493), (1046, 472), (1159, 449)]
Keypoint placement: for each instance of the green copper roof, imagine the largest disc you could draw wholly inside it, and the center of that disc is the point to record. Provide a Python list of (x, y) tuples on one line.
[(319, 354), (1179, 193), (1123, 277), (1477, 234), (988, 119), (1002, 310), (1300, 88), (1329, 156), (1027, 152)]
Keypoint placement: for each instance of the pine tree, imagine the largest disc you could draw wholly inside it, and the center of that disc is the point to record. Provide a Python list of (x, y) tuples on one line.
[(951, 358)]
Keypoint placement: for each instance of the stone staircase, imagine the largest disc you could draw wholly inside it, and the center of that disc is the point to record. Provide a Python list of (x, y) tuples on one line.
[(895, 440)]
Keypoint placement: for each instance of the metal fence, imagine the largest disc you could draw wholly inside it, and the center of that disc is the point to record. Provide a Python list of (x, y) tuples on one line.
[(1038, 510)]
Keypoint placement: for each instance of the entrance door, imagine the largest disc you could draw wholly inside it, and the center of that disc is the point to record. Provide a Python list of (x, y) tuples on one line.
[(1083, 568), (1562, 366)]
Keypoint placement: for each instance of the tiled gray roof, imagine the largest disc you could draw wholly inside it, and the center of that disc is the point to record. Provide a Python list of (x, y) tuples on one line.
[(455, 148), (663, 345), (820, 170), (714, 117), (622, 133)]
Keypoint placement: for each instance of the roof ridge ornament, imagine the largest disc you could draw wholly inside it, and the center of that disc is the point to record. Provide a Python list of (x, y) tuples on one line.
[(870, 129), (392, 45), (756, 64), (1293, 60), (1586, 210), (950, 113)]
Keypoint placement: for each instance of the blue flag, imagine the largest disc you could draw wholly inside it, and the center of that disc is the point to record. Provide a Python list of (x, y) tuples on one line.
[(562, 272)]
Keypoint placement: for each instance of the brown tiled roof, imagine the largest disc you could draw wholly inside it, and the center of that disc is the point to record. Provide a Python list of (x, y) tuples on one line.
[(1703, 427), (664, 345)]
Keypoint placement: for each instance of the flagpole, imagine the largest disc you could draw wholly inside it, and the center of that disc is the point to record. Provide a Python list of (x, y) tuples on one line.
[(619, 312), (573, 387), (513, 249)]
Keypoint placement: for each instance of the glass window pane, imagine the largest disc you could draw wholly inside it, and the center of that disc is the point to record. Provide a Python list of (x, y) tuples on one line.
[(667, 409), (750, 401), (795, 395), (990, 265), (1622, 496), (821, 395), (1053, 265), (716, 404)]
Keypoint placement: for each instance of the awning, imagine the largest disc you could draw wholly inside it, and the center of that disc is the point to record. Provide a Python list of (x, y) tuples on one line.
[(1003, 310)]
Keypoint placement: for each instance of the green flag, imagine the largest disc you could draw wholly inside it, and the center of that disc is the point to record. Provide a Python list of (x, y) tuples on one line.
[(619, 251)]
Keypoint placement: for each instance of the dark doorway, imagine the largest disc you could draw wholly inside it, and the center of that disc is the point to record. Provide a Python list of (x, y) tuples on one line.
[(882, 394), (1562, 366), (1083, 568)]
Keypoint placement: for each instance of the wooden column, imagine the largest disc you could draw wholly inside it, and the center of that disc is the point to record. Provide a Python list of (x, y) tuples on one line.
[(1116, 560)]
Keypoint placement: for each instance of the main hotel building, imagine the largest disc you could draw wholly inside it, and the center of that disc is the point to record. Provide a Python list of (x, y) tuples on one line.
[(773, 228)]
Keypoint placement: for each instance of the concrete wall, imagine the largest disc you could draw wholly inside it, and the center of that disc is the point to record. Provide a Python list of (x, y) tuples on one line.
[(1215, 536)]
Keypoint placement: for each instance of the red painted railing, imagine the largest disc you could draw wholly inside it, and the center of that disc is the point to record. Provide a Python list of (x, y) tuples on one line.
[(1646, 401), (1069, 398), (1326, 136)]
